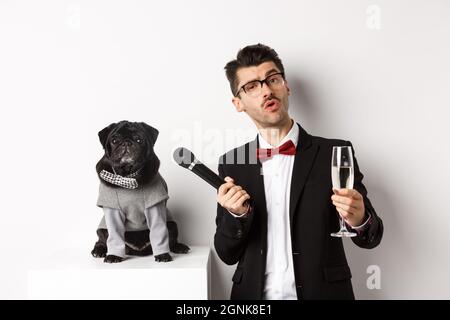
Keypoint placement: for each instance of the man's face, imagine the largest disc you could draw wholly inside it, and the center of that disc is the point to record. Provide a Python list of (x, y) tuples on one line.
[(269, 109)]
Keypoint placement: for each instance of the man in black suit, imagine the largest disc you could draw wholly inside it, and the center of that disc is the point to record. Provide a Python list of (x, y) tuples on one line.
[(277, 208)]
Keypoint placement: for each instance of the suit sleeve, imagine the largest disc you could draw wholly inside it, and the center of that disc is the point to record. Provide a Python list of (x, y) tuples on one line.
[(231, 233), (370, 236)]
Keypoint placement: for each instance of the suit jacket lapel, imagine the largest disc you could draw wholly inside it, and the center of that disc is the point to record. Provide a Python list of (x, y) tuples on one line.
[(256, 187), (252, 171), (304, 158)]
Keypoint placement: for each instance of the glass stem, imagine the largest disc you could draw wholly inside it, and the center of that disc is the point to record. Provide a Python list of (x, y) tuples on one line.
[(343, 228)]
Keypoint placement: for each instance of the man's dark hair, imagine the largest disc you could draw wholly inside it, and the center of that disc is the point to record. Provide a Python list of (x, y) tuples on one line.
[(250, 56)]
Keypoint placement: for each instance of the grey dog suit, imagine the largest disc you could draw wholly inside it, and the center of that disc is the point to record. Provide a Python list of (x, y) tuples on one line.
[(135, 210)]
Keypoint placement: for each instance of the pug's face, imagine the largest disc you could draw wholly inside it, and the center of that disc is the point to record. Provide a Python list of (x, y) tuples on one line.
[(128, 145)]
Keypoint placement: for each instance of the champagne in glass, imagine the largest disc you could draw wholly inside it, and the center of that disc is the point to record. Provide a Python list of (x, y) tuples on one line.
[(342, 177)]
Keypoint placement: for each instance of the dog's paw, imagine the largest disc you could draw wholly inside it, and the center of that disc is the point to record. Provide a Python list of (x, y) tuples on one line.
[(112, 259), (164, 257), (99, 251), (179, 248)]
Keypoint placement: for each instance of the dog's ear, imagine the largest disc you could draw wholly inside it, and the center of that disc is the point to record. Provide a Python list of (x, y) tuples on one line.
[(104, 133), (151, 132)]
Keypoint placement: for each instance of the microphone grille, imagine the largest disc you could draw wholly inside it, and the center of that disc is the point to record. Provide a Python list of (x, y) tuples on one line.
[(183, 157)]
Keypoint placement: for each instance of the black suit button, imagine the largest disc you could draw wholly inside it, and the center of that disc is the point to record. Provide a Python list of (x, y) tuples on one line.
[(239, 234)]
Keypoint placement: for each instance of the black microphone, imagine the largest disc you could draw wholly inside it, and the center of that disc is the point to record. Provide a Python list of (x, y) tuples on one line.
[(186, 159)]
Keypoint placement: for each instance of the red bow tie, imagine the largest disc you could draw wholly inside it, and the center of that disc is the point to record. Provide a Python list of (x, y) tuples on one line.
[(287, 148)]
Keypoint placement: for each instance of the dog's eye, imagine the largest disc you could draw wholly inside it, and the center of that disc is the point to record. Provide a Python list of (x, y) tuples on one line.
[(138, 140), (114, 141)]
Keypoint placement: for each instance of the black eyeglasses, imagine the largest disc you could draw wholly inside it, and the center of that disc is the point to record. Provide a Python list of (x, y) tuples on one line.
[(254, 88)]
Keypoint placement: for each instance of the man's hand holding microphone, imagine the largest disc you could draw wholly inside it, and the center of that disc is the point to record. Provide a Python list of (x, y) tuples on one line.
[(233, 198)]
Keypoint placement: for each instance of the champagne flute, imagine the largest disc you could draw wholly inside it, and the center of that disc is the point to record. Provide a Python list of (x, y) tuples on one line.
[(342, 177)]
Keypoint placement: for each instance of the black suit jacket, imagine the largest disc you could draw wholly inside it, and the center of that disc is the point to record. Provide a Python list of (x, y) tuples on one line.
[(320, 266)]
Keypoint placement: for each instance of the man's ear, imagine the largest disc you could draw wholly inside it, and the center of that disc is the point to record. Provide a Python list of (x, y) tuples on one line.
[(104, 133), (238, 104), (287, 87), (151, 132)]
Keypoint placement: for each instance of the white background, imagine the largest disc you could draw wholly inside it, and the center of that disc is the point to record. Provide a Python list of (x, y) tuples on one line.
[(373, 72)]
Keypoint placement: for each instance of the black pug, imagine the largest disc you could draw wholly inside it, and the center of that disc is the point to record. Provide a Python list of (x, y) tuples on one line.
[(133, 196)]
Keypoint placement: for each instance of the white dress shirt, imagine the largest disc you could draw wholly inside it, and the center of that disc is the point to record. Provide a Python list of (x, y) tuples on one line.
[(277, 171)]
